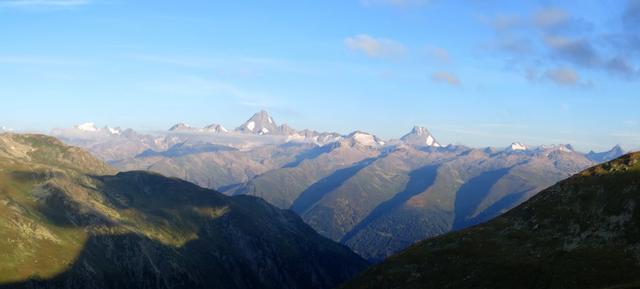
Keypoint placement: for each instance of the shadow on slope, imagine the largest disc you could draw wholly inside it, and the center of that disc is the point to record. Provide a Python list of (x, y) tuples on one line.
[(583, 232), (315, 192), (246, 244), (134, 261), (471, 194), (419, 181), (184, 149), (308, 155)]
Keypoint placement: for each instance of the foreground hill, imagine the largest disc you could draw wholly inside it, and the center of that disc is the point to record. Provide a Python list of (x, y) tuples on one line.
[(583, 232), (68, 221)]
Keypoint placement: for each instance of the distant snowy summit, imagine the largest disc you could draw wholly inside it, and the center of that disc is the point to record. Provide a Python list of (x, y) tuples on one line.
[(263, 124), (216, 128), (420, 136), (260, 123), (114, 143), (518, 146), (87, 126), (212, 128), (182, 127), (91, 127), (364, 139), (5, 129)]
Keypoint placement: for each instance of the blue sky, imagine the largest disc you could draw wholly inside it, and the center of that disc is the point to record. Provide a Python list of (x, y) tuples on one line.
[(475, 72)]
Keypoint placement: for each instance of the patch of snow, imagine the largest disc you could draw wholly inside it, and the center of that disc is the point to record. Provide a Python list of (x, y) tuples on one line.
[(365, 139), (222, 129), (264, 130), (430, 140), (564, 148), (251, 125), (113, 130), (516, 146), (88, 126), (270, 120), (297, 137)]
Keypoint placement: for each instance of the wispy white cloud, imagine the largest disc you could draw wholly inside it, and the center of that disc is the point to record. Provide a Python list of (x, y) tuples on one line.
[(445, 77), (394, 3), (439, 54), (43, 3), (176, 60), (563, 76), (241, 65), (551, 37), (195, 86), (34, 60), (628, 138), (550, 17), (374, 47), (203, 88), (502, 125)]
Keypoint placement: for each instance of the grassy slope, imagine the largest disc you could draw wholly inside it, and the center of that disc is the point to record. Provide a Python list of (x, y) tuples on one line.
[(66, 218), (583, 232)]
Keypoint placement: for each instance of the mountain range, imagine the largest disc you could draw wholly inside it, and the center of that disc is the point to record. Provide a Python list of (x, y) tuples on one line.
[(376, 196), (583, 232), (68, 220)]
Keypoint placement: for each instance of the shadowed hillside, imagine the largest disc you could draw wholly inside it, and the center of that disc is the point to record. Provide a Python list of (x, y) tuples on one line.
[(583, 232), (66, 221)]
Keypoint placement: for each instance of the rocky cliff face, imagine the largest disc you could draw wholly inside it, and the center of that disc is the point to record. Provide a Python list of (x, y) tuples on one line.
[(67, 221)]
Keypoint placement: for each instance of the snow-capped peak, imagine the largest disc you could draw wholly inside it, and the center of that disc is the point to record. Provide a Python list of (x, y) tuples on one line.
[(217, 128), (112, 130), (181, 127), (4, 128), (420, 136), (560, 147), (518, 146), (365, 139), (87, 126), (260, 123)]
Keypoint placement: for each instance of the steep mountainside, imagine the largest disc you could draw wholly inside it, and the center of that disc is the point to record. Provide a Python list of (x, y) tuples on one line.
[(376, 196), (381, 201), (615, 152), (68, 221), (214, 166), (283, 186), (583, 232)]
